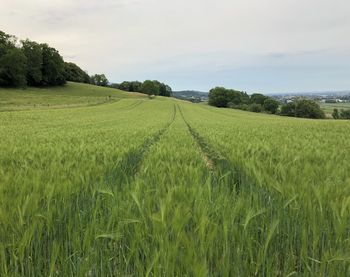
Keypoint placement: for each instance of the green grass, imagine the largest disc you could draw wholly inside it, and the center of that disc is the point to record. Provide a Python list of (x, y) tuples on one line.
[(70, 95), (162, 187)]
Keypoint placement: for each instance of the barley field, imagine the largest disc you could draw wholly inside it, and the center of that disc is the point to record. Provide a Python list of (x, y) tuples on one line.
[(162, 187)]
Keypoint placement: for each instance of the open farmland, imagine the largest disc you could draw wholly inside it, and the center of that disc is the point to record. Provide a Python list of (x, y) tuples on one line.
[(329, 107), (167, 188)]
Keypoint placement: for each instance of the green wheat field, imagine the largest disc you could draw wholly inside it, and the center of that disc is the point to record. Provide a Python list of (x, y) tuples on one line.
[(99, 182)]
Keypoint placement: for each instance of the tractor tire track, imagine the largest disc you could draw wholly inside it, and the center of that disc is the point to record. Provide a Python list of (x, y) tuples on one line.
[(218, 166), (221, 168), (133, 105), (128, 167)]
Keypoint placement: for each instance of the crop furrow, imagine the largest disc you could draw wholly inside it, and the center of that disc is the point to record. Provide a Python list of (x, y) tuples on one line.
[(223, 170), (134, 105), (128, 167)]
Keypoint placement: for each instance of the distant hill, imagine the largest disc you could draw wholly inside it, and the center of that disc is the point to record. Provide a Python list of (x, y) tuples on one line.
[(191, 95)]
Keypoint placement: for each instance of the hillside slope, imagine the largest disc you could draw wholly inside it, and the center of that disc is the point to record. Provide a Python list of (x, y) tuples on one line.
[(70, 95), (163, 187)]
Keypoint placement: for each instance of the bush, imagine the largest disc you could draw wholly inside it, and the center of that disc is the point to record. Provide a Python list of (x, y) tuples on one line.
[(308, 109), (303, 108), (270, 105), (345, 114), (288, 109), (256, 108), (335, 114)]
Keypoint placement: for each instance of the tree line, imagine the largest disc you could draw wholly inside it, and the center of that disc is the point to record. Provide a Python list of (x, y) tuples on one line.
[(148, 87), (28, 63), (230, 98)]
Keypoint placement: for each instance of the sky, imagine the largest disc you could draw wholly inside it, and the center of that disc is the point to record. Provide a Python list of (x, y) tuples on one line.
[(252, 45)]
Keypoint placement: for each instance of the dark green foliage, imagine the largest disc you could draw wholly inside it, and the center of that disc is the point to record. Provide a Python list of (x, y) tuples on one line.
[(345, 114), (288, 109), (270, 105), (33, 52), (164, 90), (13, 63), (13, 66), (258, 98), (99, 80), (6, 42), (308, 109), (149, 87), (218, 97), (222, 97), (335, 114), (303, 108), (53, 67), (74, 73), (35, 64), (256, 108), (134, 86)]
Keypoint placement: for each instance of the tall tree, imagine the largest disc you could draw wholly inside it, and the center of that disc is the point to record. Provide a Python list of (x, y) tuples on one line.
[(12, 62), (53, 67), (258, 98), (34, 55), (271, 105), (74, 73), (13, 67), (150, 87)]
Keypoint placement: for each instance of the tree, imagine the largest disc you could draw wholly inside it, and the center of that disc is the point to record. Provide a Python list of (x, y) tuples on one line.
[(218, 97), (124, 86), (135, 86), (150, 87), (13, 66), (164, 90), (33, 53), (303, 108), (258, 98), (270, 105), (335, 114), (99, 80), (288, 109), (53, 71), (168, 91), (7, 42), (74, 73), (222, 97), (12, 62), (308, 109)]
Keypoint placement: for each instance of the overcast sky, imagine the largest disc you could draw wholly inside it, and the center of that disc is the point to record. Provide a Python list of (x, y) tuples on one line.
[(252, 45)]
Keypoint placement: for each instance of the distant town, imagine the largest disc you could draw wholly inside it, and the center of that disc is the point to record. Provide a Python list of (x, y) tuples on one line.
[(331, 97), (322, 97)]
